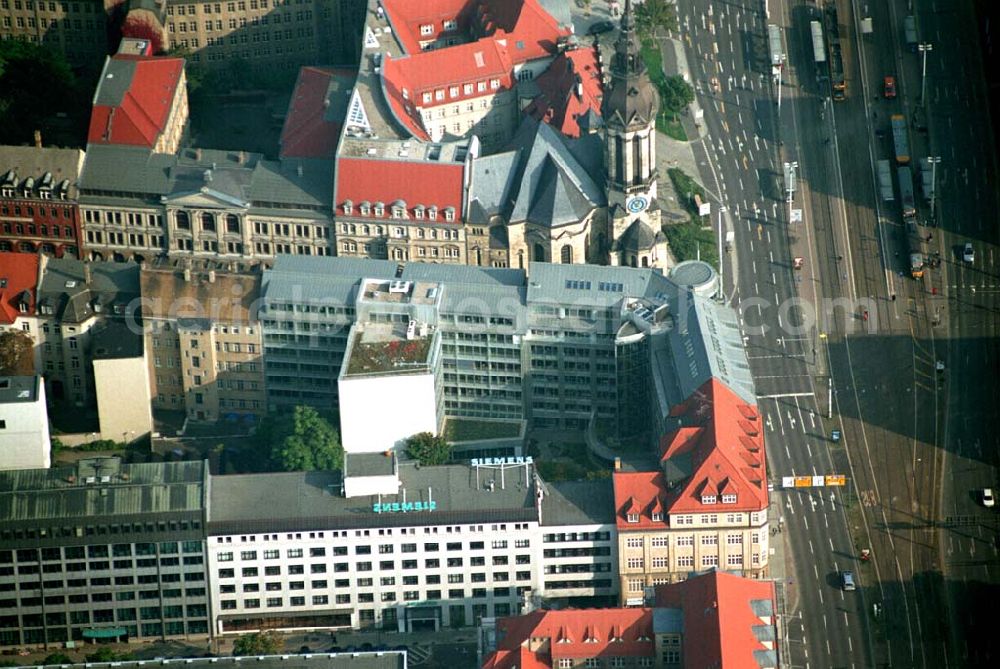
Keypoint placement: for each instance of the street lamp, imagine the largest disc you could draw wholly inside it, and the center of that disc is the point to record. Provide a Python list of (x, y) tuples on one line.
[(933, 160), (924, 47)]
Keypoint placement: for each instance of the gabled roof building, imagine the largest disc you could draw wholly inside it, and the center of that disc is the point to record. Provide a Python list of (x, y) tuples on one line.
[(714, 619)]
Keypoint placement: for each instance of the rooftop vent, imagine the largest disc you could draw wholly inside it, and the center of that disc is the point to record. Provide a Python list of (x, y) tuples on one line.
[(399, 286)]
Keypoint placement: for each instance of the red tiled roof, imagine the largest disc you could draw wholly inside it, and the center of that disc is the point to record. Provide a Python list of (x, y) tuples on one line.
[(141, 115), (561, 101), (572, 634), (307, 132), (20, 273), (407, 16), (406, 80), (529, 30), (414, 182), (722, 435), (636, 492), (717, 614)]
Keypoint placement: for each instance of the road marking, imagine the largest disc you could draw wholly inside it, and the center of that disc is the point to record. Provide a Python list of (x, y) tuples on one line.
[(782, 395)]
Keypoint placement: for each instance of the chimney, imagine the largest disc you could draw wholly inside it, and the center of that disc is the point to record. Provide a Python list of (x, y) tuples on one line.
[(211, 276), (579, 88), (242, 157), (618, 464), (38, 139), (86, 274)]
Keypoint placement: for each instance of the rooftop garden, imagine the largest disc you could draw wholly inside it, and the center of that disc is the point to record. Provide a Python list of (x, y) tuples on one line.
[(398, 355), (470, 429)]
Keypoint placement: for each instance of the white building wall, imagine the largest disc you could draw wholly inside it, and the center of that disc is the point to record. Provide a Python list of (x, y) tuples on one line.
[(377, 413), (349, 570), (24, 433), (124, 408)]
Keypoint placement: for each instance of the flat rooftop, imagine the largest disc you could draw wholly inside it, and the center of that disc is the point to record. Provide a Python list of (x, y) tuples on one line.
[(400, 292), (389, 347)]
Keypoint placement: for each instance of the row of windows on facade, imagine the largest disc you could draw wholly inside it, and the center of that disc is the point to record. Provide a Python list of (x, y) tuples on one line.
[(241, 5), (597, 662), (401, 254), (382, 532), (43, 230), (438, 95), (242, 37), (384, 582), (688, 519), (53, 7), (242, 22), (732, 539), (398, 232), (484, 120), (106, 565), (367, 598), (398, 210), (53, 553), (383, 549), (689, 561), (173, 526)]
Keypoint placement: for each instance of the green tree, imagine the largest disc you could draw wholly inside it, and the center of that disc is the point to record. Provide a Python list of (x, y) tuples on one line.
[(57, 658), (676, 93), (656, 15), (109, 654), (300, 441), (428, 449), (16, 352), (258, 643), (29, 74)]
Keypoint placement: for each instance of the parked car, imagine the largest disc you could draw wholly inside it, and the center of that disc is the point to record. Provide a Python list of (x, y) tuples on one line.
[(889, 87), (600, 28), (968, 253), (847, 579), (987, 497)]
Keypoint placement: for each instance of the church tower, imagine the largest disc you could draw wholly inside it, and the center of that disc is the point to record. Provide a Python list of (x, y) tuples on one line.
[(630, 107)]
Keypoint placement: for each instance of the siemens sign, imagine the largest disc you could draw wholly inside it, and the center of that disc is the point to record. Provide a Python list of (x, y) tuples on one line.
[(499, 462), (403, 507)]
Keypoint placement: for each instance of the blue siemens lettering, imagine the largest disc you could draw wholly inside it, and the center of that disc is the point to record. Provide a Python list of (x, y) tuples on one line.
[(403, 507)]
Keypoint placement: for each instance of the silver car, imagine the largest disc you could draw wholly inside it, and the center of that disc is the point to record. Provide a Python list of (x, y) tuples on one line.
[(968, 253)]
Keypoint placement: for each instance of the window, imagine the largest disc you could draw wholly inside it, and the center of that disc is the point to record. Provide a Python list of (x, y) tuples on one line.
[(634, 563), (633, 542), (729, 499), (633, 518), (708, 499)]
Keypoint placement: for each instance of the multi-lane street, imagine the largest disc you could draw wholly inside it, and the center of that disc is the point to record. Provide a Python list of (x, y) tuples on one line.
[(741, 163), (912, 362)]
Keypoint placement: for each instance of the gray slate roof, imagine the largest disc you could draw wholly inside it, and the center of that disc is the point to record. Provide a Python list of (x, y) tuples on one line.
[(313, 499), (114, 340), (63, 492), (578, 503), (239, 177), (552, 188), (63, 288), (18, 389), (29, 161)]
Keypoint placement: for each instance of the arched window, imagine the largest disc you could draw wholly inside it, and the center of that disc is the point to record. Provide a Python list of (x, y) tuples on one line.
[(539, 253), (645, 261), (208, 222), (232, 223), (566, 255), (183, 220)]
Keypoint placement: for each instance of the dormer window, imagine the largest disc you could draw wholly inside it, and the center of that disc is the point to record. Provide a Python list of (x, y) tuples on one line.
[(418, 212), (399, 209), (348, 207), (480, 86), (427, 29), (467, 89), (453, 91), (432, 213), (494, 84), (439, 94), (451, 24), (379, 209), (632, 517), (708, 499), (427, 97), (729, 499), (365, 208), (449, 214), (657, 517)]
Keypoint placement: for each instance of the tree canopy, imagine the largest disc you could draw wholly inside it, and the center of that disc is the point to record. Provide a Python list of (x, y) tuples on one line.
[(302, 440), (16, 353), (257, 643), (35, 84), (428, 449), (654, 15)]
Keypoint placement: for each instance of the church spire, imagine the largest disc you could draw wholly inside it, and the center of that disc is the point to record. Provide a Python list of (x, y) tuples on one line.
[(627, 61)]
